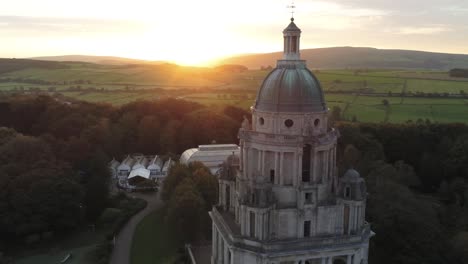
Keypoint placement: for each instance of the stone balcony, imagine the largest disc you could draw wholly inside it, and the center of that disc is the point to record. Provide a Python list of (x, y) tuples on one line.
[(291, 140), (225, 222)]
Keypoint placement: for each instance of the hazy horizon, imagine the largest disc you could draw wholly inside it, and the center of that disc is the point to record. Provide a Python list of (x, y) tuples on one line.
[(205, 30)]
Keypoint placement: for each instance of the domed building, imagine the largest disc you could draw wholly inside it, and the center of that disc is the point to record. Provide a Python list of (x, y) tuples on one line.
[(281, 201)]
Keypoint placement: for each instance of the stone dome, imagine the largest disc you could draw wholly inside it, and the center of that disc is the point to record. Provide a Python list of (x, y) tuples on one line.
[(352, 186), (292, 27), (290, 87), (351, 175)]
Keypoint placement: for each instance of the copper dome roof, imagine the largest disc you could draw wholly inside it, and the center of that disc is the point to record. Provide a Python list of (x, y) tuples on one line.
[(290, 88)]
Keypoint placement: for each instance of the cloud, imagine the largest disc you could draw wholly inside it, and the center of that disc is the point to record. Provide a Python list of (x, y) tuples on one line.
[(423, 30), (22, 25)]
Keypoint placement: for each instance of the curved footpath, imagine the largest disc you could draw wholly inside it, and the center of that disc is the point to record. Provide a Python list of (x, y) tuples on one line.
[(123, 242)]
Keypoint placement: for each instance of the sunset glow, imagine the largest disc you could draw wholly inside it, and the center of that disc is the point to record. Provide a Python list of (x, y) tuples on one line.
[(198, 32)]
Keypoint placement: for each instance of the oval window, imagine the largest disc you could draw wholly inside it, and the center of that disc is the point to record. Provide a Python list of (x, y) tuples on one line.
[(288, 123), (261, 121), (317, 122)]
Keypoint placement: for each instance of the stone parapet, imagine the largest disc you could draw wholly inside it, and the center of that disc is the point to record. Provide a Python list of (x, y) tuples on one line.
[(227, 226)]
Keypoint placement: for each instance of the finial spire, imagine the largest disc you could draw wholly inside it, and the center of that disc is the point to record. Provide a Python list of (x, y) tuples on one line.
[(292, 7)]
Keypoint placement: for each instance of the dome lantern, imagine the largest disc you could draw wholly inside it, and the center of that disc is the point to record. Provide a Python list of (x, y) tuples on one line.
[(291, 87), (292, 35)]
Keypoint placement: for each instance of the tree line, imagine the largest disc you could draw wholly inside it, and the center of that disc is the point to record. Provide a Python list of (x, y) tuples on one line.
[(54, 177), (417, 178), (458, 73), (54, 155)]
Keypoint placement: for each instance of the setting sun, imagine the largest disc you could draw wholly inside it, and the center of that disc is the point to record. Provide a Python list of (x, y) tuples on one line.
[(199, 32)]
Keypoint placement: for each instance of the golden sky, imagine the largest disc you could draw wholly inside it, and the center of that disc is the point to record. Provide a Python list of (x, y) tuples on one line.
[(195, 32)]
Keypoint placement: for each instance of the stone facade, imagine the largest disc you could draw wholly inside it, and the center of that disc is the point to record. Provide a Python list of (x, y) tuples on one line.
[(281, 201)]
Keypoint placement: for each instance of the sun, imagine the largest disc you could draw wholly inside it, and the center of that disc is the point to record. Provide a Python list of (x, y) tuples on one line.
[(185, 45)]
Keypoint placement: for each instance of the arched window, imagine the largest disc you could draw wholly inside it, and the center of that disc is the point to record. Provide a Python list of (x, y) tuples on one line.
[(294, 44), (316, 122), (347, 193), (252, 224), (261, 121)]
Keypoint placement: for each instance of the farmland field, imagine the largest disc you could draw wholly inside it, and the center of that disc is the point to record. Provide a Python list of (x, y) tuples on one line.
[(360, 94)]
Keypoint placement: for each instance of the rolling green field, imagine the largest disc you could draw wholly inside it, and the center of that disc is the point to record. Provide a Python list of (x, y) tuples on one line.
[(111, 77), (359, 93)]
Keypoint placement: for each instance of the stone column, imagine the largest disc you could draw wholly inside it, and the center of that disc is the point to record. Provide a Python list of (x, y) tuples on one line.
[(324, 260), (259, 161), (314, 167), (330, 165), (276, 168), (220, 249), (226, 254), (294, 170), (334, 160), (280, 174), (262, 170), (214, 244), (348, 259), (365, 253), (244, 162), (356, 259), (299, 170), (241, 153), (325, 166)]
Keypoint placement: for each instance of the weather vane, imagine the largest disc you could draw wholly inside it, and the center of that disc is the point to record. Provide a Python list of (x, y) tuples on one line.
[(292, 7)]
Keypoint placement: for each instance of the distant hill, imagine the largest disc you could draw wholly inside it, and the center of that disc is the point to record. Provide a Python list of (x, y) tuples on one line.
[(9, 65), (350, 57), (96, 59)]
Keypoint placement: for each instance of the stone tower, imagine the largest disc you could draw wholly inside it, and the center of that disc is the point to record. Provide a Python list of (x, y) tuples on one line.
[(282, 201)]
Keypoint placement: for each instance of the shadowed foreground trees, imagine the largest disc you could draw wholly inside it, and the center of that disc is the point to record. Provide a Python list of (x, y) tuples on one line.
[(418, 189), (185, 210), (39, 192), (417, 174), (191, 192)]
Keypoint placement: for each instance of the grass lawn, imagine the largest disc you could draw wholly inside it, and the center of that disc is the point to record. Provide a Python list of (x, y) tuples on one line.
[(153, 242)]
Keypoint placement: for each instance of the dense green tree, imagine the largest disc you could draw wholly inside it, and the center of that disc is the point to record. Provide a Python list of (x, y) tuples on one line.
[(168, 137), (39, 192), (207, 186), (235, 113), (431, 171), (460, 246), (185, 210), (176, 175), (148, 129), (95, 176), (457, 157), (397, 217), (335, 114)]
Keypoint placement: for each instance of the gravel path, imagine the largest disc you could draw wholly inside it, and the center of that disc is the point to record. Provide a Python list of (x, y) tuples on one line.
[(123, 242)]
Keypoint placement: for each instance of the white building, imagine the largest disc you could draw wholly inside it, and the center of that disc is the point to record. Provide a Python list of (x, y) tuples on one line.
[(123, 170), (139, 172), (212, 156), (138, 165), (155, 167), (140, 162), (282, 201), (165, 170)]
